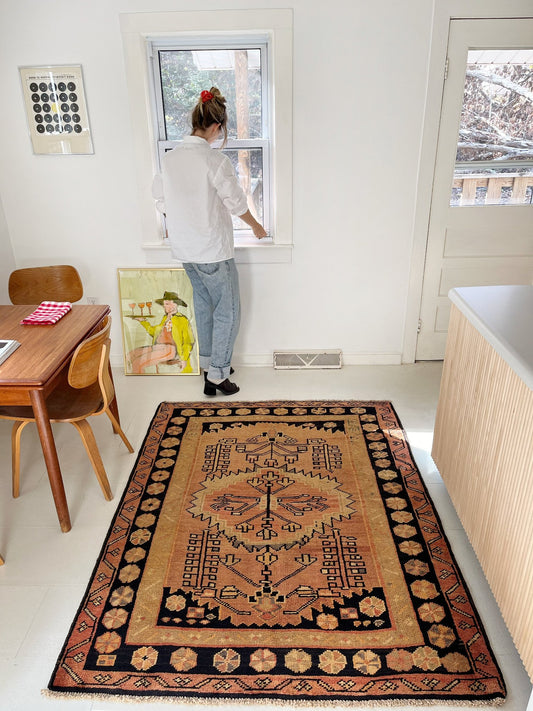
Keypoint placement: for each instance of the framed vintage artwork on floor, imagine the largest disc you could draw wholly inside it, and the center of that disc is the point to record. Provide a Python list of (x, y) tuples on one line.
[(158, 324), (54, 97)]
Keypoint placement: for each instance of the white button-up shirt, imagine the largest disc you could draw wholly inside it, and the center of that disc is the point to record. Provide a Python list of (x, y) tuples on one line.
[(199, 191)]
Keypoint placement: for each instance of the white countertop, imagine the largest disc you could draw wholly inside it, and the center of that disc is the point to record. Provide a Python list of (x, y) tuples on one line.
[(504, 317)]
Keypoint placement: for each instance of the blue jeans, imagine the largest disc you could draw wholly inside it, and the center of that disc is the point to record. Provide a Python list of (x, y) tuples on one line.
[(217, 309)]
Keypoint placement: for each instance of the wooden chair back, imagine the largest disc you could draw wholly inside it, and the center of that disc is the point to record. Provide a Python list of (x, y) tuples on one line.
[(32, 285), (88, 358)]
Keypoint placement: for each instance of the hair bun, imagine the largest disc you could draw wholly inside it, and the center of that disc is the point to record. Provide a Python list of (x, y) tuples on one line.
[(210, 108)]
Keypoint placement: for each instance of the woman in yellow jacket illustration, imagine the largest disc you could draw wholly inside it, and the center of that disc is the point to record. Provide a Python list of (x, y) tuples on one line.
[(172, 339)]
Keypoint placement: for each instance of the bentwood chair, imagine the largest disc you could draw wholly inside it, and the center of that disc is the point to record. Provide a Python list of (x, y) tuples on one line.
[(32, 285), (85, 389)]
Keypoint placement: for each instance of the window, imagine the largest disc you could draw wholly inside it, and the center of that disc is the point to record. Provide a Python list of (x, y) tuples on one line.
[(181, 70), (263, 157), (494, 162)]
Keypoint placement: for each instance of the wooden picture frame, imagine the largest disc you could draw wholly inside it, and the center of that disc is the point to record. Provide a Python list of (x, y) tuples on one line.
[(158, 324)]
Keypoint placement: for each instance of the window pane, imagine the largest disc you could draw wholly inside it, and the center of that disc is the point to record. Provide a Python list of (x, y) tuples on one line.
[(236, 72), (248, 164), (494, 162)]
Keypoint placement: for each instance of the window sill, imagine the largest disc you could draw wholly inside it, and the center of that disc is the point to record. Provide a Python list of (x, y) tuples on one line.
[(248, 250)]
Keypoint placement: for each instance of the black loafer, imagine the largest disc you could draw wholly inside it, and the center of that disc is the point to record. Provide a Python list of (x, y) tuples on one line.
[(226, 388)]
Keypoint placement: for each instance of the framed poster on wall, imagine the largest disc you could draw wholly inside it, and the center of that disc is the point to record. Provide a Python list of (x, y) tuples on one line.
[(58, 121), (158, 324)]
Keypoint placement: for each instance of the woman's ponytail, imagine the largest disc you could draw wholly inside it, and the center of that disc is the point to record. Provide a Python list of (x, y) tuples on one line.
[(210, 108)]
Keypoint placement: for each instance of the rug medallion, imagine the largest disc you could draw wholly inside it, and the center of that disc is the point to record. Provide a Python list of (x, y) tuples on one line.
[(278, 551)]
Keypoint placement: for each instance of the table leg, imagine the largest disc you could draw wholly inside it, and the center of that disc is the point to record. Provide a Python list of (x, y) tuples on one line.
[(50, 456)]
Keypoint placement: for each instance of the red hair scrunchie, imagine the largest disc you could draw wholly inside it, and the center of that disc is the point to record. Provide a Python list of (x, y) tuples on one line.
[(206, 96)]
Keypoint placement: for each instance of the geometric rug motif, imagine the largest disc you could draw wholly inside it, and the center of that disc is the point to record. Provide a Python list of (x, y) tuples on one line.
[(283, 551)]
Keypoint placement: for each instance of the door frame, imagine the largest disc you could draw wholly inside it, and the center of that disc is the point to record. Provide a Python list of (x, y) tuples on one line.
[(444, 12)]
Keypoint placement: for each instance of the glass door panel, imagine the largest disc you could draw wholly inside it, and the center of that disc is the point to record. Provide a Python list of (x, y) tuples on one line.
[(494, 159)]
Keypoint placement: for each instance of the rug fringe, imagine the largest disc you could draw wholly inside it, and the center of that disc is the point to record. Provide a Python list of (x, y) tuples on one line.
[(273, 703)]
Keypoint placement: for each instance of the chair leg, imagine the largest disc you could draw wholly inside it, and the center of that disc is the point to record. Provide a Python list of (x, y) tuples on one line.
[(16, 433), (89, 442), (118, 430)]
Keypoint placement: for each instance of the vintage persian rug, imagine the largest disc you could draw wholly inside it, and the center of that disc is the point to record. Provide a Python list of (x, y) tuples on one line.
[(278, 551)]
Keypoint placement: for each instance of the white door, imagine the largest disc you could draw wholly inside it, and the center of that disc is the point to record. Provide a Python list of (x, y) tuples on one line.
[(481, 221)]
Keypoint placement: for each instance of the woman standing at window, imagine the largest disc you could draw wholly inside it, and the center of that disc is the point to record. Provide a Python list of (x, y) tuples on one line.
[(198, 192)]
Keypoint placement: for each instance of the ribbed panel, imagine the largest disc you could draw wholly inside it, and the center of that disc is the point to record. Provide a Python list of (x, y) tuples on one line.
[(483, 448)]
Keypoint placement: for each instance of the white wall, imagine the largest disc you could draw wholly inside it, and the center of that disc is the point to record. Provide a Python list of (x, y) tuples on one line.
[(7, 258), (360, 76)]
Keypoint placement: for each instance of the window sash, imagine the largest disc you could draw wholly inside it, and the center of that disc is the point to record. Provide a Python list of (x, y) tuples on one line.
[(209, 43), (205, 43)]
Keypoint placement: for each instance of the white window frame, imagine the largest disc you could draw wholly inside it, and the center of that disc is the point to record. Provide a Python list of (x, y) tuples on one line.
[(260, 43), (138, 29)]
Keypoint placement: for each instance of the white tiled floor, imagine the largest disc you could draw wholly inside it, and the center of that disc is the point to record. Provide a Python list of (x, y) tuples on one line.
[(46, 571)]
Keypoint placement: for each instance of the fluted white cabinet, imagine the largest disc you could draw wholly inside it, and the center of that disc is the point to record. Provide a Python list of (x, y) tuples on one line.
[(483, 442)]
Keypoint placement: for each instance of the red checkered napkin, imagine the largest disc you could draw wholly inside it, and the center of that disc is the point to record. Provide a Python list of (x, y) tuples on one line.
[(47, 312)]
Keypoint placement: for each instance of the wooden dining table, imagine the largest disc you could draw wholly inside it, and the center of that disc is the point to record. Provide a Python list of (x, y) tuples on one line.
[(31, 372)]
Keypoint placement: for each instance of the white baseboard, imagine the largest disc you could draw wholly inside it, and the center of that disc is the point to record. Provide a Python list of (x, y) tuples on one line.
[(347, 359), (372, 358), (266, 359), (116, 360)]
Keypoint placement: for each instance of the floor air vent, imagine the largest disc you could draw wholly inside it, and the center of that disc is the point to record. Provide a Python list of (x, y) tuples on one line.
[(286, 360)]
